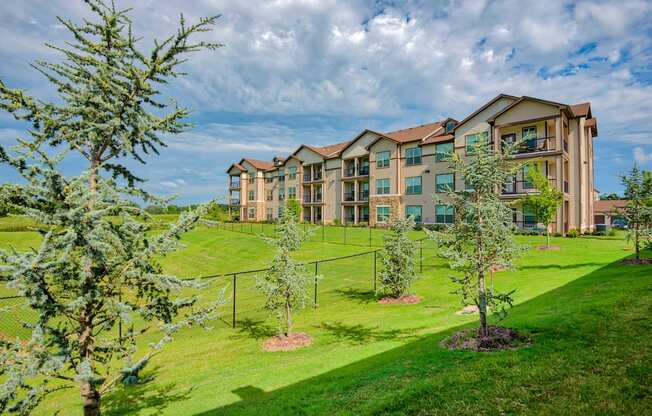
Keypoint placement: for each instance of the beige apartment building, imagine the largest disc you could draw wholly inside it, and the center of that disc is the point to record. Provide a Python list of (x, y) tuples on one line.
[(379, 175)]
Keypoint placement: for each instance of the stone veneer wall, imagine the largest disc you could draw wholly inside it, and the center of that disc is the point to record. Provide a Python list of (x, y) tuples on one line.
[(395, 207)]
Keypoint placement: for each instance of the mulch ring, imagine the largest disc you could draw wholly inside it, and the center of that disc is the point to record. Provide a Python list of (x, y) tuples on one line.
[(401, 300), (287, 343), (637, 262), (499, 338), (551, 247)]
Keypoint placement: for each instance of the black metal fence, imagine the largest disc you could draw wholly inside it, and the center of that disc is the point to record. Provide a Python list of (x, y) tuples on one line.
[(335, 280)]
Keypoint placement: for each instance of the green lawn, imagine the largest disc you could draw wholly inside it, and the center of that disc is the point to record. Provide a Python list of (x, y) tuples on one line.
[(588, 315)]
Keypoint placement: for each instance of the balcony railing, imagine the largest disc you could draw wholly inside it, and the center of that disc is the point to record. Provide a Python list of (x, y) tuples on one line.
[(363, 171), (234, 185), (307, 177), (515, 187), (535, 145), (306, 199), (235, 201), (349, 219), (317, 176), (317, 198), (363, 196), (349, 196), (364, 218), (349, 171), (527, 224)]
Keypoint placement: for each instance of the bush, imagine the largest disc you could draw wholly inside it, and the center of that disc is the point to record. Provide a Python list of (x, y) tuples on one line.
[(337, 222), (611, 232), (573, 233)]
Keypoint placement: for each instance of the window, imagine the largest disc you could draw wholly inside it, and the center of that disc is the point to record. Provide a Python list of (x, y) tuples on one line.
[(270, 214), (468, 187), (529, 219), (413, 185), (445, 182), (252, 195), (413, 211), (443, 151), (472, 140), (444, 214), (382, 159), (270, 194), (382, 213), (269, 178), (292, 173), (292, 192), (281, 175), (281, 194), (251, 213), (527, 182), (382, 186), (450, 126), (413, 156), (364, 213)]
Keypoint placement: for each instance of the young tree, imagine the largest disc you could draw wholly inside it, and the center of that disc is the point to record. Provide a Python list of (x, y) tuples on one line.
[(398, 259), (638, 211), (285, 284), (482, 235), (544, 203), (293, 207), (91, 272)]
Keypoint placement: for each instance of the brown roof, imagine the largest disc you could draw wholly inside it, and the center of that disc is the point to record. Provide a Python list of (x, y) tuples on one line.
[(486, 105), (414, 133), (237, 166), (581, 109), (258, 164), (438, 138), (609, 205), (331, 149)]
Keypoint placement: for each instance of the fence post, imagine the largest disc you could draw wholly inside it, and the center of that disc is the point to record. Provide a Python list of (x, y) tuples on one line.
[(344, 234), (251, 228), (234, 283), (420, 256), (369, 236), (322, 231), (375, 291), (315, 279)]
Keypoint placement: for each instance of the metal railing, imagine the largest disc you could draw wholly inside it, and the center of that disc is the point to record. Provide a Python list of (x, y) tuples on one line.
[(363, 171), (363, 196), (515, 187), (235, 201), (307, 177), (349, 171), (349, 196), (234, 185), (543, 144)]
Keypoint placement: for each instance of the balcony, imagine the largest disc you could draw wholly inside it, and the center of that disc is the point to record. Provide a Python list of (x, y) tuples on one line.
[(318, 176), (349, 219), (349, 171), (363, 196), (234, 201), (516, 187), (317, 198), (363, 171), (306, 199), (349, 196), (544, 144), (307, 177), (234, 185)]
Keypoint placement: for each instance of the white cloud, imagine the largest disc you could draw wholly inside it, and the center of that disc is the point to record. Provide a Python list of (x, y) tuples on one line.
[(641, 157)]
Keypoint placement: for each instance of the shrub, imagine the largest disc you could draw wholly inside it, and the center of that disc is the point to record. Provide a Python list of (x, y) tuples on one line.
[(573, 233)]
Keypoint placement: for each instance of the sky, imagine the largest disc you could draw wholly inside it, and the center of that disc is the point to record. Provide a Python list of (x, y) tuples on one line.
[(320, 71)]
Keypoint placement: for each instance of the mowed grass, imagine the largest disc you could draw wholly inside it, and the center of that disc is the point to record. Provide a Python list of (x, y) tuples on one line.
[(586, 313)]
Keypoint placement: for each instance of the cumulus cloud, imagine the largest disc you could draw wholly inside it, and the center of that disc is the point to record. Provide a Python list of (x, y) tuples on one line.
[(394, 63), (641, 157)]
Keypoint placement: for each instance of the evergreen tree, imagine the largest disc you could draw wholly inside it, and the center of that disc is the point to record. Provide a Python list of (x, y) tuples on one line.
[(285, 285), (638, 211), (398, 258), (91, 272), (482, 235), (543, 204)]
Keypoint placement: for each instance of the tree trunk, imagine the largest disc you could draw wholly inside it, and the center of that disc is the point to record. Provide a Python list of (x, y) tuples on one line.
[(482, 309), (288, 317), (91, 398), (547, 236), (637, 243)]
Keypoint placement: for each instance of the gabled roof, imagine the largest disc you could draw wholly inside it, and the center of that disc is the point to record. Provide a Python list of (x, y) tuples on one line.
[(258, 164), (327, 151), (362, 133), (593, 124), (416, 133), (581, 110), (237, 166), (485, 106), (524, 98)]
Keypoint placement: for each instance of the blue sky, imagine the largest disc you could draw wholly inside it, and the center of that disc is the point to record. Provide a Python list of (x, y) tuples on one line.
[(319, 71)]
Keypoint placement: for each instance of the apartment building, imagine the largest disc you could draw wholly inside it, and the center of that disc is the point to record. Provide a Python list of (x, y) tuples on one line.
[(379, 175)]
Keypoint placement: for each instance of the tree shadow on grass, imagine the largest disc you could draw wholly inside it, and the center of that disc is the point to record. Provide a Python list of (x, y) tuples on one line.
[(132, 399), (249, 328), (559, 266), (360, 334), (422, 376), (362, 296)]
